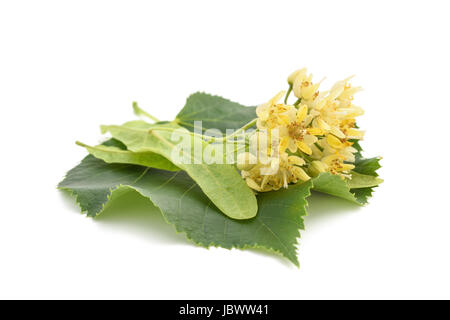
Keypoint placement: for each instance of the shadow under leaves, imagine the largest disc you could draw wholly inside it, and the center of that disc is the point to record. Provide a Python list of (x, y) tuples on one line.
[(323, 206)]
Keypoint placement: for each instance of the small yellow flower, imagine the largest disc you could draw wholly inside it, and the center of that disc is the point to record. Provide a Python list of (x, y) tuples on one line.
[(303, 87), (299, 135), (272, 114), (275, 173), (334, 113), (333, 146), (348, 93), (335, 164)]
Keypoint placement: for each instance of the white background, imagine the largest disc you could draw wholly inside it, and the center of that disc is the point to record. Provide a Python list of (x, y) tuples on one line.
[(68, 66)]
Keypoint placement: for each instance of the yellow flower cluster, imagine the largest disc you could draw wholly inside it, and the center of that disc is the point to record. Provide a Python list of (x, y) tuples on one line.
[(298, 141)]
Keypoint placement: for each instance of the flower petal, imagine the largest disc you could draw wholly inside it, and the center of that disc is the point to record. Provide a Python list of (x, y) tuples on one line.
[(334, 142), (304, 147)]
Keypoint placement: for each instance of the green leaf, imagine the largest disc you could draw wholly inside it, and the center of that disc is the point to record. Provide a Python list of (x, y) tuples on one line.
[(367, 166), (214, 112), (358, 147), (220, 182), (363, 181), (333, 185), (362, 195), (87, 182), (183, 204), (356, 190), (113, 154)]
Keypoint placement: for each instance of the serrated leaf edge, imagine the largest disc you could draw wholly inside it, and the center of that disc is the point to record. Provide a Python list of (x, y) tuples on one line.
[(293, 259)]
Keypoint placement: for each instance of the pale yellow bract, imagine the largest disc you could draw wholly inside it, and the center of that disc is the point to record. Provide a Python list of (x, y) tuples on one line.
[(304, 139)]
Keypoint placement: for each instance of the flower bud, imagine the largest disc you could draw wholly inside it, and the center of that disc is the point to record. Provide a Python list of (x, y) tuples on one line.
[(246, 161), (294, 75), (316, 168), (300, 174)]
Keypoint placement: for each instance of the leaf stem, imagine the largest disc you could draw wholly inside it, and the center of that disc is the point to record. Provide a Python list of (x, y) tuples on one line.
[(140, 112), (287, 94), (245, 127), (208, 138), (203, 137)]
